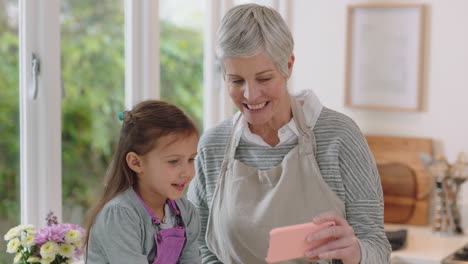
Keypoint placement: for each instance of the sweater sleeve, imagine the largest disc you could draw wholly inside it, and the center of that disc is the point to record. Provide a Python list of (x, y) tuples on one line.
[(197, 195), (191, 252), (364, 198), (115, 238)]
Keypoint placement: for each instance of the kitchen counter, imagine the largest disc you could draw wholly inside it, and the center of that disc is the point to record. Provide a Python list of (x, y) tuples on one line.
[(423, 246)]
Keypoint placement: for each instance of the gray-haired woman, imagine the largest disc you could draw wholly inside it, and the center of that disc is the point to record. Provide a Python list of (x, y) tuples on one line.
[(283, 159)]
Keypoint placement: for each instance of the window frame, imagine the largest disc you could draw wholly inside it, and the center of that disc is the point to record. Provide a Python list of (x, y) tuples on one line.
[(40, 118), (142, 71)]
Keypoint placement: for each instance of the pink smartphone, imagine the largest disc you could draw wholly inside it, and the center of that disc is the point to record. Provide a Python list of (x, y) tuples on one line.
[(290, 242)]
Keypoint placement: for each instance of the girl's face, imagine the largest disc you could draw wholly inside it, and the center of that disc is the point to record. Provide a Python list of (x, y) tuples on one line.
[(167, 170), (257, 88)]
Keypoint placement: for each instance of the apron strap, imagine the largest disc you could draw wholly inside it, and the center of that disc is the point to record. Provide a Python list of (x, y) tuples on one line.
[(230, 151), (175, 209), (155, 220), (172, 206), (307, 142)]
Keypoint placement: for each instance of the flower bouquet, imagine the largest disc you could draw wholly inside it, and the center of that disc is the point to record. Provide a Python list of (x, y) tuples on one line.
[(54, 244)]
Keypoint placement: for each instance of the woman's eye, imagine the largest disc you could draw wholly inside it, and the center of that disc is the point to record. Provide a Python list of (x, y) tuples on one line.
[(191, 160), (237, 81), (264, 79), (173, 161)]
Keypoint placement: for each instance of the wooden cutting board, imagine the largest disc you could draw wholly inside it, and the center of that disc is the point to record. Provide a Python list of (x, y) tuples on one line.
[(400, 193), (406, 184)]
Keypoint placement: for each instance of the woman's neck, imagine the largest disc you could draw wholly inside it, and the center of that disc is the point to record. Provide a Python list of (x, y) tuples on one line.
[(155, 202), (269, 131), (270, 136)]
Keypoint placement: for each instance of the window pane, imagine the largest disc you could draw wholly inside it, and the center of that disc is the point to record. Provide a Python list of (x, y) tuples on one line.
[(92, 43), (181, 55), (9, 123), (269, 3)]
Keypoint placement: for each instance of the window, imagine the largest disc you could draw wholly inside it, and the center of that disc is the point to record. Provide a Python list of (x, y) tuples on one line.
[(92, 56), (9, 122), (67, 136), (181, 55), (271, 3)]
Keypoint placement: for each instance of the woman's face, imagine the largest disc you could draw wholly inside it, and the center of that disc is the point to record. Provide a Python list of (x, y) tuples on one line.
[(258, 89)]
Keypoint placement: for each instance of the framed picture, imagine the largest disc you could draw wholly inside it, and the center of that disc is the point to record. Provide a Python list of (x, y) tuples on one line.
[(384, 60)]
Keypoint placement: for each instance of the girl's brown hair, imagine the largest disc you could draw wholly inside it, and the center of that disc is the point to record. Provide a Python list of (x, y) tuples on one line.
[(142, 127)]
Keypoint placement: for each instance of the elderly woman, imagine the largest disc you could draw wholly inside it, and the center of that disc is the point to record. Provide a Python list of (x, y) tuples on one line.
[(282, 159)]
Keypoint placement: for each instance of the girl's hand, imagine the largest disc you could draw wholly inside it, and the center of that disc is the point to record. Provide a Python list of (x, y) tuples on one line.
[(344, 246)]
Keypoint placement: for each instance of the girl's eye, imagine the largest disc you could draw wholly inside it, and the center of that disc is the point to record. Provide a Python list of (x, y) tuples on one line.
[(173, 162), (191, 160), (264, 79)]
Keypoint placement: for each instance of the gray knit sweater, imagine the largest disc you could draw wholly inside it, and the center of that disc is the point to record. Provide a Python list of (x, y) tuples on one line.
[(346, 164), (123, 232)]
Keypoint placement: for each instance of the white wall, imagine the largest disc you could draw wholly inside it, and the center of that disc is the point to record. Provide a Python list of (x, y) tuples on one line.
[(319, 29)]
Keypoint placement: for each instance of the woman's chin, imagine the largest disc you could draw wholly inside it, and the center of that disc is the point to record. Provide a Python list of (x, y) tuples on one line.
[(256, 122), (257, 118)]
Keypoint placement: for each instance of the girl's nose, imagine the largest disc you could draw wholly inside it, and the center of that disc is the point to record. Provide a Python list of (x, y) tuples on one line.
[(188, 171)]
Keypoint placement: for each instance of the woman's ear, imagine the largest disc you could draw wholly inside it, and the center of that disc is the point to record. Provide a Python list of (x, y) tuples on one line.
[(291, 64), (134, 162)]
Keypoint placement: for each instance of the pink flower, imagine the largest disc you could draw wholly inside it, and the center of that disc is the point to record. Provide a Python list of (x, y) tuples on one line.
[(76, 227), (54, 233)]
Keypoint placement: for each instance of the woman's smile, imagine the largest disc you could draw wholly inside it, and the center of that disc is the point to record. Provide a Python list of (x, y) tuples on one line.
[(256, 107)]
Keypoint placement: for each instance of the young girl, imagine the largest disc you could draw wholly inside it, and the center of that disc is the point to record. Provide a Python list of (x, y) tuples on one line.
[(142, 216)]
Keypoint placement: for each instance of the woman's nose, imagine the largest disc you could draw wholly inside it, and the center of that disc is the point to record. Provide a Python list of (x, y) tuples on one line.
[(251, 91)]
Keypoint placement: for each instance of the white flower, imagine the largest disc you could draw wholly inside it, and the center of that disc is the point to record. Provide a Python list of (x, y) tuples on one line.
[(47, 260), (73, 236), (33, 259), (78, 244), (13, 245), (12, 233), (31, 231), (28, 241), (66, 250), (49, 250), (17, 258), (25, 227), (71, 261)]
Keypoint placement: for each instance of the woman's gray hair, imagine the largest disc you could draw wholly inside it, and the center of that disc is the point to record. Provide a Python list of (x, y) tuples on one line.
[(246, 30)]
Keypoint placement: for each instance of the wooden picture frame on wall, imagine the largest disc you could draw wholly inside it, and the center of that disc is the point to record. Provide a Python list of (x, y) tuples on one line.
[(384, 57)]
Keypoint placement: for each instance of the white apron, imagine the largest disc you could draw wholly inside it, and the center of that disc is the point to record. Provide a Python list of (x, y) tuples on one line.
[(248, 203)]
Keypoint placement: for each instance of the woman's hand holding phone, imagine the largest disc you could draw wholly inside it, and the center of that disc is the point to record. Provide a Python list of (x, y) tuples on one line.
[(290, 242), (343, 243)]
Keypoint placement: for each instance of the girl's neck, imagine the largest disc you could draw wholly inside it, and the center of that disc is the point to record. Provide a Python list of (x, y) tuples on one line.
[(154, 201)]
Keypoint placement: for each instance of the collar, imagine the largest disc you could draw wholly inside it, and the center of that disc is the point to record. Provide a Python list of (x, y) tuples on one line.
[(311, 107)]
